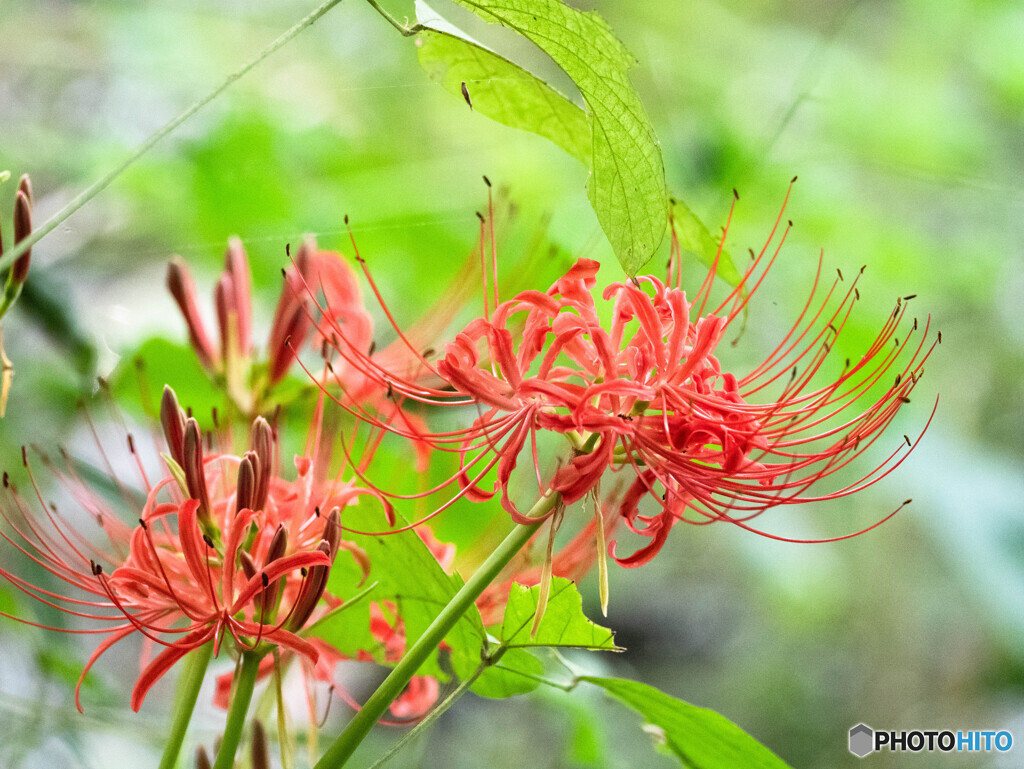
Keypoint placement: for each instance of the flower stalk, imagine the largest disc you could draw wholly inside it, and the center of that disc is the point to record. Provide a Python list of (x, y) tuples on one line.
[(373, 709), (188, 692), (245, 682)]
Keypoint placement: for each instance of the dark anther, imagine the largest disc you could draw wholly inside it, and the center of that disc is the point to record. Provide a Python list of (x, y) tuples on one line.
[(915, 324), (7, 480), (304, 571), (907, 439), (856, 292), (24, 456), (373, 348), (793, 180), (905, 399), (487, 181), (907, 501), (208, 541), (790, 222), (264, 579), (940, 337), (898, 378), (131, 443), (316, 511), (908, 297), (465, 95), (346, 222), (480, 216), (840, 273), (142, 523), (735, 194), (287, 251)]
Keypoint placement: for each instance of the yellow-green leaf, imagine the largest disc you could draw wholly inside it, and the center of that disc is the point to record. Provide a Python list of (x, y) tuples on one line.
[(504, 92), (694, 237), (564, 623), (698, 737), (627, 178)]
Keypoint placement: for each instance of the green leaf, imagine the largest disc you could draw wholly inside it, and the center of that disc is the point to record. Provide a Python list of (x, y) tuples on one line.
[(694, 237), (517, 672), (700, 738), (410, 582), (140, 378), (627, 177), (563, 624), (505, 92), (348, 630)]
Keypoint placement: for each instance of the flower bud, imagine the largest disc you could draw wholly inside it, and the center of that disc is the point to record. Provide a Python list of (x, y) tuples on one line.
[(248, 473), (172, 419), (310, 592), (183, 289), (202, 759), (22, 229), (332, 531), (278, 546), (237, 266), (195, 474), (260, 746), (261, 439)]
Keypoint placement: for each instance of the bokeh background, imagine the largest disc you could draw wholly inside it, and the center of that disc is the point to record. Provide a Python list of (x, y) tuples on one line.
[(905, 123)]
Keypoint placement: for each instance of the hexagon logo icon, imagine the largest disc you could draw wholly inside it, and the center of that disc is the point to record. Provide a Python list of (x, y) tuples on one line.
[(862, 740)]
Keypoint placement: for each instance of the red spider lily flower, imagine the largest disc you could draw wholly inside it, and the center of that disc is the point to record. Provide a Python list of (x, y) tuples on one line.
[(646, 392), (224, 549), (312, 270)]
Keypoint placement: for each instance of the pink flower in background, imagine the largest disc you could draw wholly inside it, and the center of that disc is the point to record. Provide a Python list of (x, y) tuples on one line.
[(313, 271)]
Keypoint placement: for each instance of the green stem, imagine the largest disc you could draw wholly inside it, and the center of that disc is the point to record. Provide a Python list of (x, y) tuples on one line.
[(97, 187), (407, 30), (439, 710), (245, 682), (342, 749), (189, 684)]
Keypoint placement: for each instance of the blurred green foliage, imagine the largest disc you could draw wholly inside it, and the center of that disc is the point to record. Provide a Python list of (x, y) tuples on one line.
[(903, 121)]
